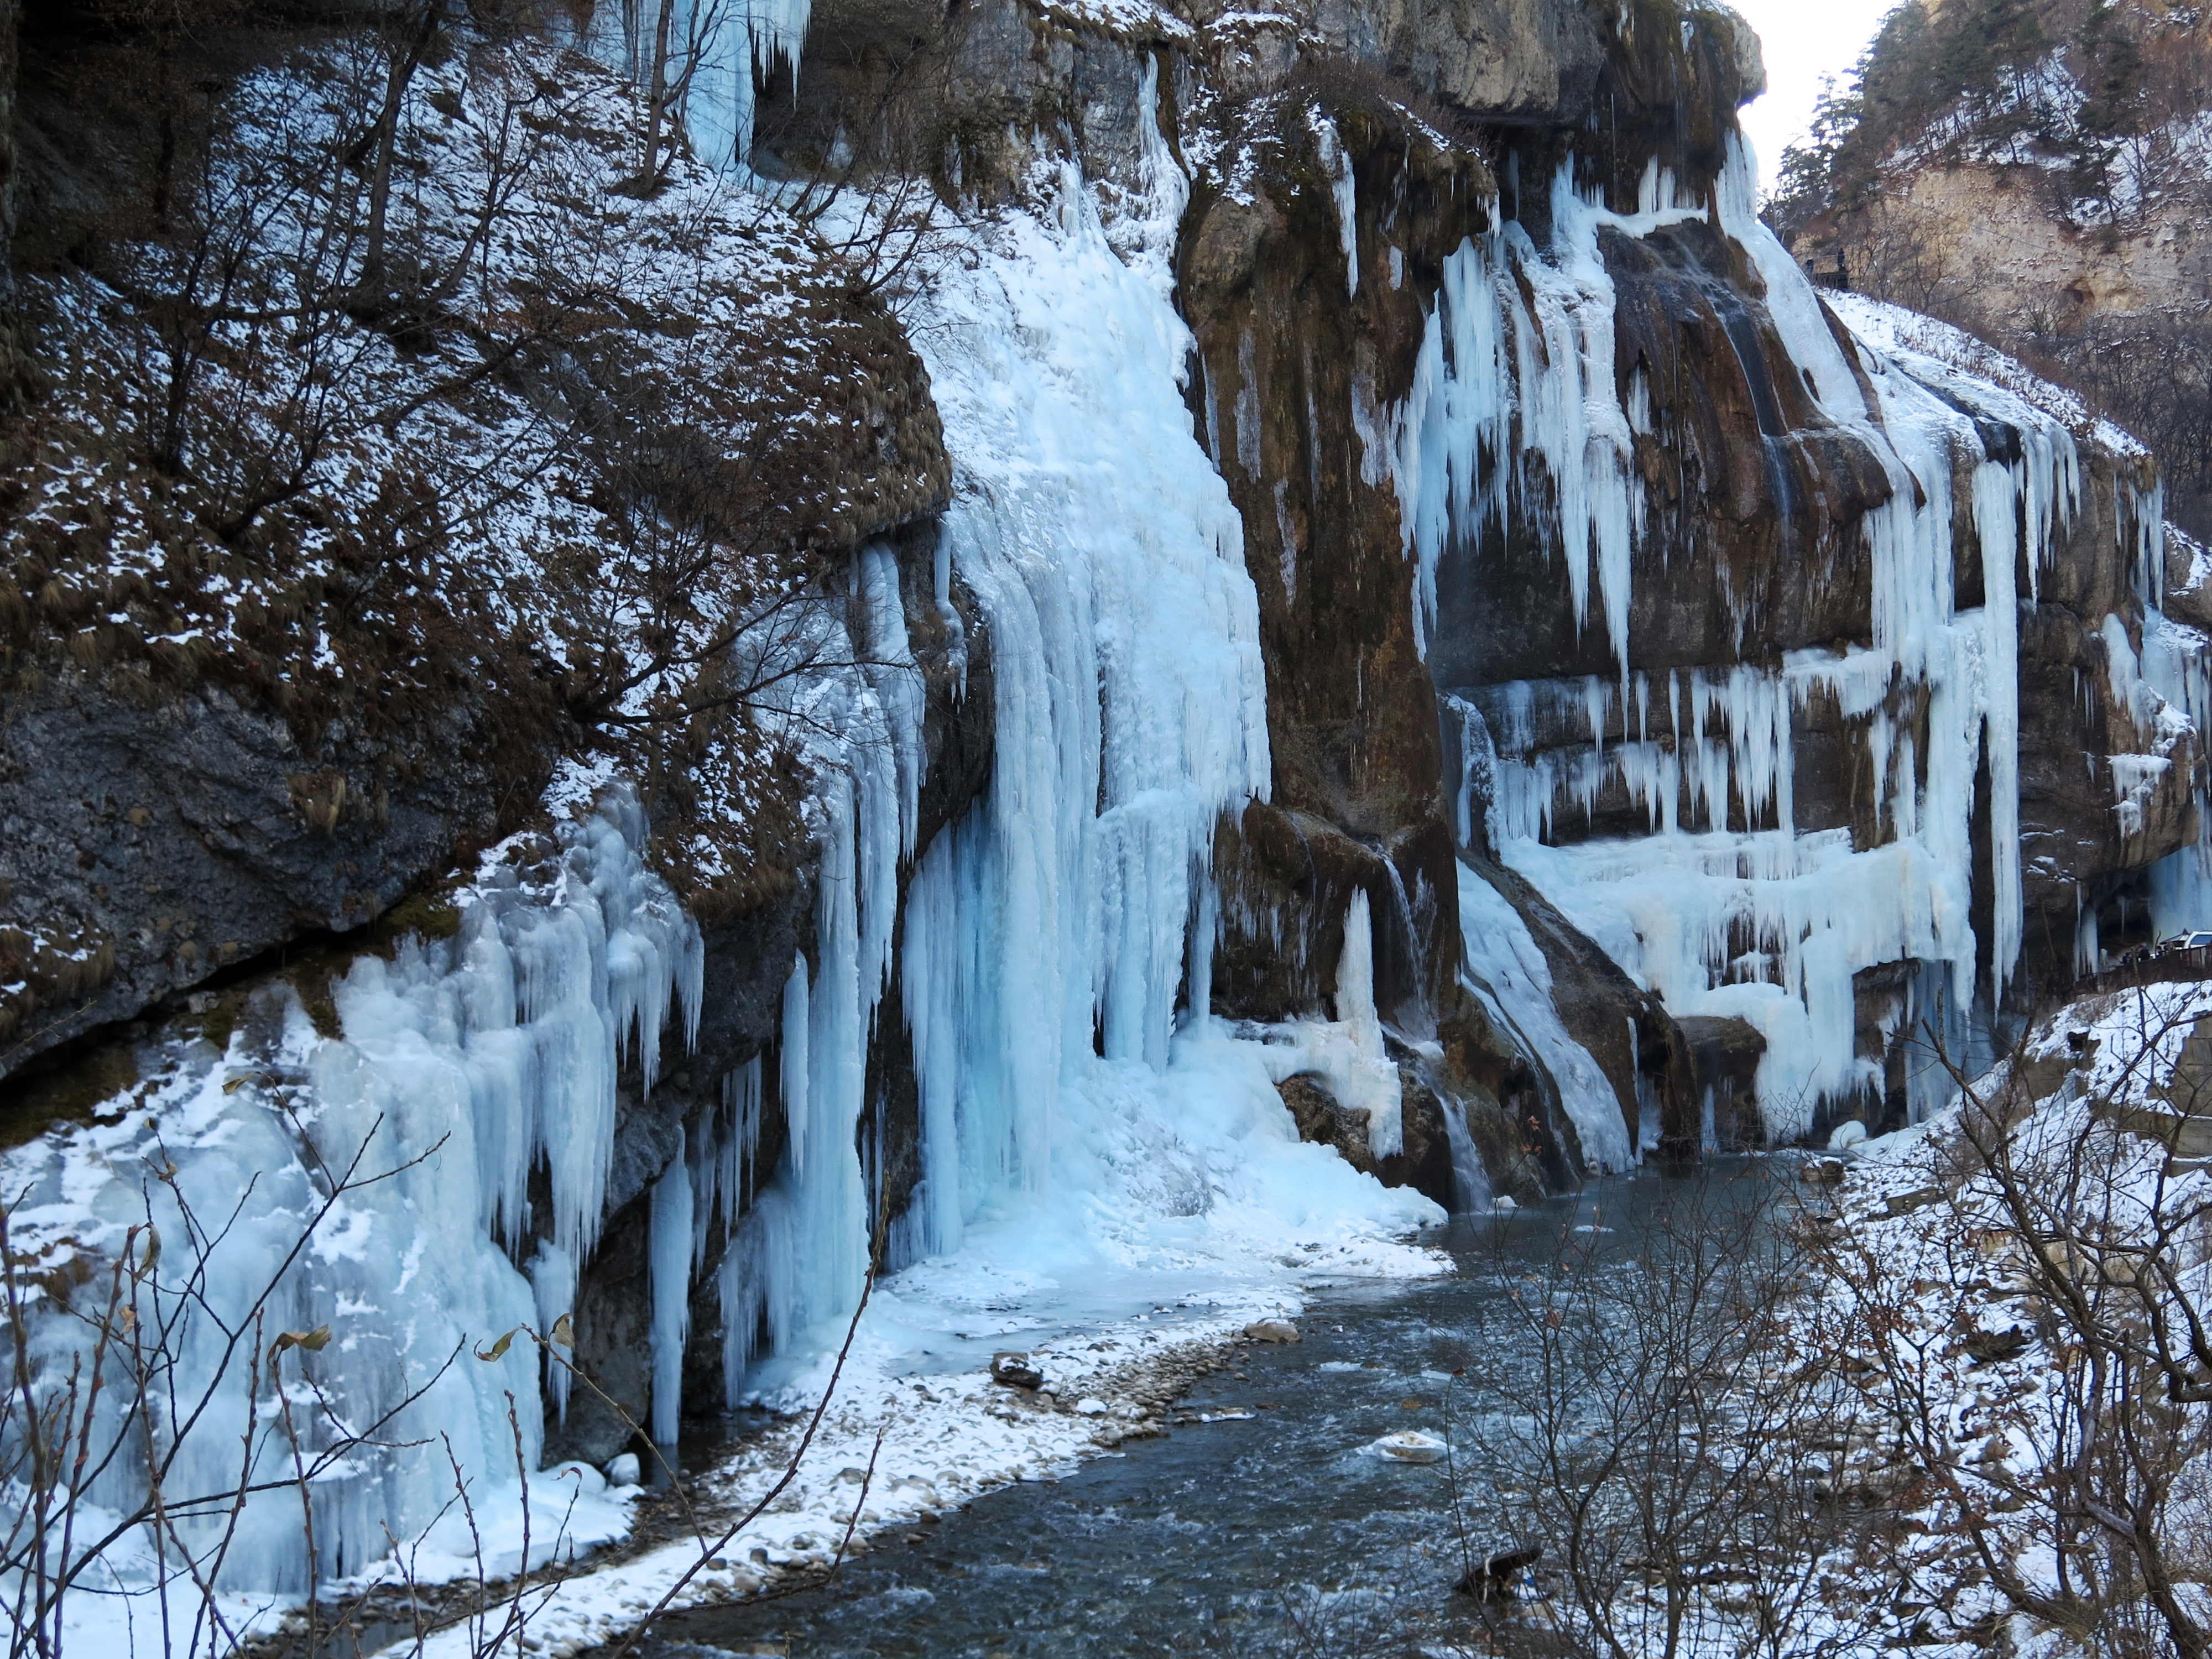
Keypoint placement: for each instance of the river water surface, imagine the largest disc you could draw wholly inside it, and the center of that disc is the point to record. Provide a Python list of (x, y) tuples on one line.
[(1280, 1534)]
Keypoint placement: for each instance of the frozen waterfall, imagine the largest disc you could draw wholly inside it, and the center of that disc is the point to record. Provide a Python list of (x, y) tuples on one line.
[(1725, 906), (464, 1063)]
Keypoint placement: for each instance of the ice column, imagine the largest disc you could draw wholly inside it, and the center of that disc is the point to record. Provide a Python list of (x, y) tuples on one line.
[(668, 1253)]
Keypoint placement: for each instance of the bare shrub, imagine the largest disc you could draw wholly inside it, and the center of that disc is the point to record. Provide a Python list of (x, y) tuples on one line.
[(2034, 1335), (1649, 1416)]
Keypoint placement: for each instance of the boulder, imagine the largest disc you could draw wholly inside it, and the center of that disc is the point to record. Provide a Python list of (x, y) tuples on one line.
[(1014, 1371)]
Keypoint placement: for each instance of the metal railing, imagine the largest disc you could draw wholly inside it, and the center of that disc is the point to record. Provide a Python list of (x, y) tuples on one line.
[(2160, 968)]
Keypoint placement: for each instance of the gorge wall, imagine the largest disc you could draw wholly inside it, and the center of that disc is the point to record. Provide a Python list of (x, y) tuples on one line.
[(2039, 174), (1248, 579)]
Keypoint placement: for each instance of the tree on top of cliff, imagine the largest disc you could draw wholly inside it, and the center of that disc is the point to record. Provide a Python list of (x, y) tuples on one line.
[(2089, 113)]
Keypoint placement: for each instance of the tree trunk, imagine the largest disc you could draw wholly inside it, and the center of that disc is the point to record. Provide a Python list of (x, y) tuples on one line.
[(404, 62), (649, 175)]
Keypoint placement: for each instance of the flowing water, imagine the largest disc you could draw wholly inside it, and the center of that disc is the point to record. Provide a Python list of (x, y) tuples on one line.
[(1278, 1534)]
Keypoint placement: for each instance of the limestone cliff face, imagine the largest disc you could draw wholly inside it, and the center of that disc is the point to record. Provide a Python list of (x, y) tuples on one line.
[(2038, 174)]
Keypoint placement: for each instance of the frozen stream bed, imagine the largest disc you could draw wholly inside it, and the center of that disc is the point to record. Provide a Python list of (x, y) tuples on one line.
[(1228, 1536)]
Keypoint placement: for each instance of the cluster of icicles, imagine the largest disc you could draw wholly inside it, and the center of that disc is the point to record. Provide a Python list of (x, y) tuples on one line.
[(1520, 351), (711, 52)]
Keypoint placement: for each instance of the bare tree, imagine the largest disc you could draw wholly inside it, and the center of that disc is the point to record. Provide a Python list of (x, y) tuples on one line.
[(1644, 1413), (2035, 1332)]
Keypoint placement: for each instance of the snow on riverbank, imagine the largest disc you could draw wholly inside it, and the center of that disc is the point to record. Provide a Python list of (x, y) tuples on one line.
[(1997, 1280), (946, 1439)]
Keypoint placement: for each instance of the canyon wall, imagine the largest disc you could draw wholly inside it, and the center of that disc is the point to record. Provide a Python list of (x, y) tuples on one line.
[(1244, 578)]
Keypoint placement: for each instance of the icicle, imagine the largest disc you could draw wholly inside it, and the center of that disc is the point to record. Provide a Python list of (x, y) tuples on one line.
[(668, 1256), (1338, 166), (553, 1286)]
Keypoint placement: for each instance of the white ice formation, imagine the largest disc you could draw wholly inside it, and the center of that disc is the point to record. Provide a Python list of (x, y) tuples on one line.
[(711, 53), (465, 1063), (1726, 906)]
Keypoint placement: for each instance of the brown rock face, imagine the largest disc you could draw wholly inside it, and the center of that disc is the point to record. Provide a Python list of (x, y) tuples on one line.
[(1292, 362), (1724, 1055)]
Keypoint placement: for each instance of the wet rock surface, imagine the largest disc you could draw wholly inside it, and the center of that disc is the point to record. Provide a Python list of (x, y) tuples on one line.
[(146, 847)]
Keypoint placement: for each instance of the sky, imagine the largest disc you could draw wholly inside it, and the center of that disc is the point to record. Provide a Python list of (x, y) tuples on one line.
[(1802, 40)]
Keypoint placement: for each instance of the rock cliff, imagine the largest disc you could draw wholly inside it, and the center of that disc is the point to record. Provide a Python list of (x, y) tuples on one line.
[(2039, 174)]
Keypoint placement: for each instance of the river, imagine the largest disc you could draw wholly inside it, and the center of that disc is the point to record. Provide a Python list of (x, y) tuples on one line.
[(1278, 1534)]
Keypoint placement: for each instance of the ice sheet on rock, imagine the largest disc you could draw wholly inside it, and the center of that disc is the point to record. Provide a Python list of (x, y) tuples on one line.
[(1507, 970), (1706, 753)]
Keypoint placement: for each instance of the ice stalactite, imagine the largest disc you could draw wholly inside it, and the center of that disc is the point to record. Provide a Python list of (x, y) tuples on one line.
[(1725, 906), (668, 1256), (1342, 192), (715, 51), (461, 1063)]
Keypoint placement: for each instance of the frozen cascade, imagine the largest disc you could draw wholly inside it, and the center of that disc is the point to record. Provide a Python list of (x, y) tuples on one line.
[(1706, 753), (1105, 549), (462, 1062), (1074, 1109)]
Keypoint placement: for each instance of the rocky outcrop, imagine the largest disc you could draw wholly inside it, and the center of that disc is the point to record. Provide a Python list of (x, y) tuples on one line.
[(1724, 1054), (2037, 174), (149, 849), (277, 660)]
